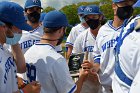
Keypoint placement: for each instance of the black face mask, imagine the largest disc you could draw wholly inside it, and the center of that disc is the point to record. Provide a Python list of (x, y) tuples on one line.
[(34, 17), (124, 12), (93, 23), (60, 39)]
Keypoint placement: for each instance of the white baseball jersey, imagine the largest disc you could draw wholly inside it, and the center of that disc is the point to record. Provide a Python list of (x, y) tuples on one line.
[(51, 69), (30, 38), (85, 42), (129, 63), (104, 51), (8, 78), (75, 31)]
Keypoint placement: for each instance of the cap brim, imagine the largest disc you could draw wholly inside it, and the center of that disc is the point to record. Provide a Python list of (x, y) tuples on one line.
[(81, 13), (23, 26), (33, 6), (1, 23), (93, 14), (137, 4)]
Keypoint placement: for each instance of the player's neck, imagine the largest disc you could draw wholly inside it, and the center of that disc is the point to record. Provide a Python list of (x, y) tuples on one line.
[(33, 25), (117, 22), (95, 31), (52, 41)]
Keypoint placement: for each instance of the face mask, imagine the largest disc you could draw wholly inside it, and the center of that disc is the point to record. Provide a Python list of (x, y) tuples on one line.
[(60, 39), (34, 17), (82, 19), (14, 40), (93, 23), (124, 12)]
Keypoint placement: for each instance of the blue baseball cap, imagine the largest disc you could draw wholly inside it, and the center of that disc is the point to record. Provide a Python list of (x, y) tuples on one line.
[(92, 9), (32, 3), (118, 1), (42, 17), (13, 13), (55, 19), (137, 4), (81, 9)]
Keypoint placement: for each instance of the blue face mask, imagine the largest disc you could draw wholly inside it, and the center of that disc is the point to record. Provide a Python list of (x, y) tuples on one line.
[(82, 19), (14, 40)]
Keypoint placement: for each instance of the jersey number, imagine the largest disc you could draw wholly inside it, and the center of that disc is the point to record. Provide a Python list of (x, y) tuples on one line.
[(31, 72)]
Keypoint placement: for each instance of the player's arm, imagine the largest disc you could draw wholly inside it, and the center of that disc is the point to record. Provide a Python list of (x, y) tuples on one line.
[(69, 42), (19, 58), (33, 87)]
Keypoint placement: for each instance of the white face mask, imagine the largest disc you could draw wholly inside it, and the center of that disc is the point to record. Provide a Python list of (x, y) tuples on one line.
[(82, 19), (14, 40)]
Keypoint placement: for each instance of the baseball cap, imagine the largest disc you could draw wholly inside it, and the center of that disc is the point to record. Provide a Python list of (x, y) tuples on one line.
[(92, 9), (32, 3), (117, 1), (42, 16), (81, 9), (13, 13), (55, 19), (137, 4)]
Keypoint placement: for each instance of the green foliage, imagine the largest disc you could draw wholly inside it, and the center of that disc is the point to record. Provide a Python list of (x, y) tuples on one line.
[(107, 11), (136, 11), (47, 9)]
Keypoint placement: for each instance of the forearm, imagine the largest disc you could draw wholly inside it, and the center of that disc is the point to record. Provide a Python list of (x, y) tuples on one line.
[(96, 67), (19, 58), (79, 84), (69, 51)]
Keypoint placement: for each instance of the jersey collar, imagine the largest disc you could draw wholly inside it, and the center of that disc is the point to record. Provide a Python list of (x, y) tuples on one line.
[(110, 22), (45, 45)]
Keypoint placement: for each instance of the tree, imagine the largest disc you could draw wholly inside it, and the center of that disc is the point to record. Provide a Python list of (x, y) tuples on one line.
[(47, 9)]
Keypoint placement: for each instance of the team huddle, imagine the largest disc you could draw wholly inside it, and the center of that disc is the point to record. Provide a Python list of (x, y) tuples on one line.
[(30, 49)]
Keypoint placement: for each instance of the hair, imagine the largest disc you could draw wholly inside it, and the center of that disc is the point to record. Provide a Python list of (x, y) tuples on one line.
[(52, 30)]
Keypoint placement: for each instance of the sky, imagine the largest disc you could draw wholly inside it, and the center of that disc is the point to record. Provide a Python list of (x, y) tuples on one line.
[(58, 4)]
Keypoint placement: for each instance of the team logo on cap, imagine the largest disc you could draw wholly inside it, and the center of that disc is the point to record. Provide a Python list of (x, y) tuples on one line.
[(35, 1), (89, 9), (82, 8)]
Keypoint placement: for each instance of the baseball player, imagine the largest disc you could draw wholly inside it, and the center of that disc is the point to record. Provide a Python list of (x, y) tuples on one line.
[(127, 73), (75, 31), (104, 59), (49, 67), (86, 40), (32, 10), (12, 22)]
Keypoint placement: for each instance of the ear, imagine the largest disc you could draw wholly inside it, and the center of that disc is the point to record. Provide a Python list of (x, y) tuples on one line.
[(114, 6)]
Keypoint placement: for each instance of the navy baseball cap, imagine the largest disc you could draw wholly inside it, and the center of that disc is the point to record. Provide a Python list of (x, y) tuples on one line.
[(92, 9), (117, 1), (81, 9), (13, 13), (55, 19), (42, 17), (137, 4), (32, 3)]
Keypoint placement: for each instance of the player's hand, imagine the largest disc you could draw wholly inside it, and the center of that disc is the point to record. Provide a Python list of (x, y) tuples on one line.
[(33, 87), (21, 84), (87, 65)]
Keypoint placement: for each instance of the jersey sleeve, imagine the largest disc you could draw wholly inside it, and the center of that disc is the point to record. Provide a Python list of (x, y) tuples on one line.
[(77, 48), (61, 77), (135, 87), (58, 48), (71, 38)]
